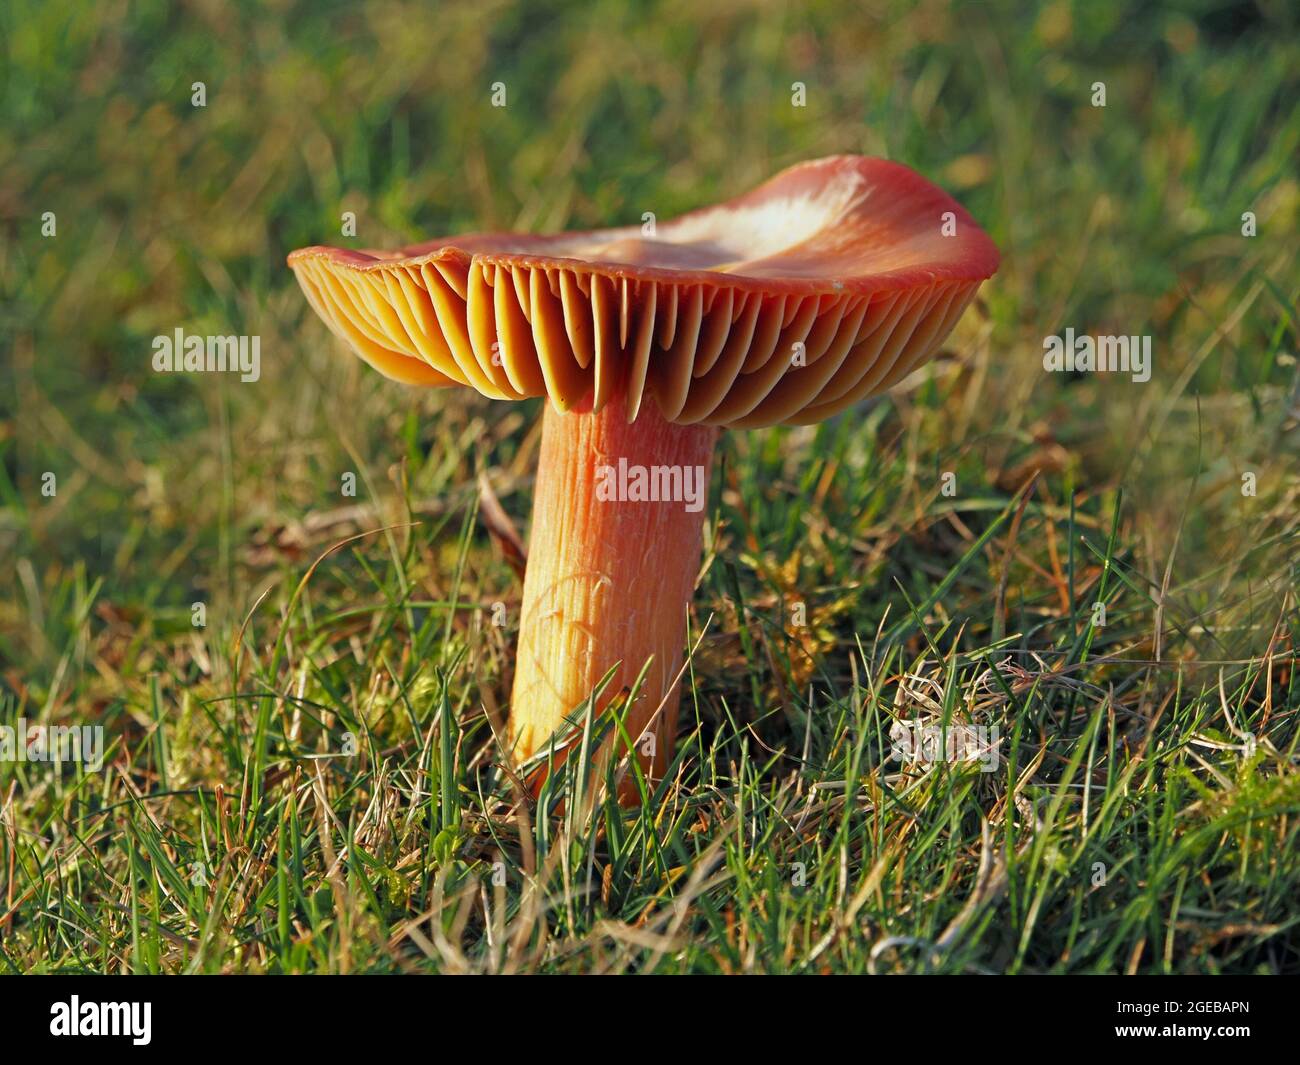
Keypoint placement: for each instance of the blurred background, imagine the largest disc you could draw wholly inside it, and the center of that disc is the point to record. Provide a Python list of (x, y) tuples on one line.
[(172, 489), (1122, 219), (1119, 219)]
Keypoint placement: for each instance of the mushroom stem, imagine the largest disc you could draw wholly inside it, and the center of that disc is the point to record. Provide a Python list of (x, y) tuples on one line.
[(611, 569)]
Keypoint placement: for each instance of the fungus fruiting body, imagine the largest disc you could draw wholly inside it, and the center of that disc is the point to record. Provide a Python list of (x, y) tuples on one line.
[(827, 284)]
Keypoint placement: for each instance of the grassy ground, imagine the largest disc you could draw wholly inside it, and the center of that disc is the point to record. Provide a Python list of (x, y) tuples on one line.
[(1145, 812)]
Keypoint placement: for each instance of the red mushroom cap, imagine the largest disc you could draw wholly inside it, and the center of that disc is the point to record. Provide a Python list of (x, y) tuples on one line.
[(826, 284)]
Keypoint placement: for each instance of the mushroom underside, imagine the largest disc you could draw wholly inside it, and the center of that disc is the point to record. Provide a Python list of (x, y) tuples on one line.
[(706, 354)]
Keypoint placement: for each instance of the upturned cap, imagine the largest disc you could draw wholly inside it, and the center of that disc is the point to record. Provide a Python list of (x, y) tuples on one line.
[(826, 284)]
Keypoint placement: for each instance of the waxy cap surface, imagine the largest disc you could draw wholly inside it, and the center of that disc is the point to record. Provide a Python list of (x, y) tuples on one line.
[(824, 285)]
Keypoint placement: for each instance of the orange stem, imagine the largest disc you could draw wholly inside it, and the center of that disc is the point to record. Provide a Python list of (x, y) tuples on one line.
[(610, 570)]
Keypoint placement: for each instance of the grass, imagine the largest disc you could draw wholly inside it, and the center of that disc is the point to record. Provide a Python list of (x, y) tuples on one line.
[(308, 782)]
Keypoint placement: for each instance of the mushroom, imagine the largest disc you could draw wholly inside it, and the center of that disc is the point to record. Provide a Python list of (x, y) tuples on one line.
[(828, 283)]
